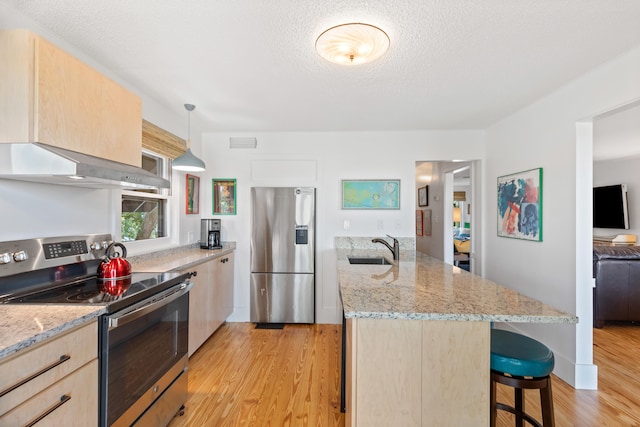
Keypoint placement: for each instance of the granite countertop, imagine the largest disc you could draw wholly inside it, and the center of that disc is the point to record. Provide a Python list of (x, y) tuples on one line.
[(425, 288), (178, 258), (22, 326)]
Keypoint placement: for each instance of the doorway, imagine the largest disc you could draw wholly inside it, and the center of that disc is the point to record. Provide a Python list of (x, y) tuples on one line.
[(615, 138), (461, 214), (450, 187)]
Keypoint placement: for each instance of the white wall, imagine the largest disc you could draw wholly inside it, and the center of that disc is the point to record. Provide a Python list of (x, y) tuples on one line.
[(621, 171), (558, 269), (322, 160), (29, 210)]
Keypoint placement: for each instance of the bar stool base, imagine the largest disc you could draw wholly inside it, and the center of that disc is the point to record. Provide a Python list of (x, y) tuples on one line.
[(519, 384)]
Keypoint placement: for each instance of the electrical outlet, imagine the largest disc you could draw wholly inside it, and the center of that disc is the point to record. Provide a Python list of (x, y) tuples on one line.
[(346, 224)]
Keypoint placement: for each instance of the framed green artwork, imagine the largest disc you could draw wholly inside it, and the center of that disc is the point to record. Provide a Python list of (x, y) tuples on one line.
[(224, 196)]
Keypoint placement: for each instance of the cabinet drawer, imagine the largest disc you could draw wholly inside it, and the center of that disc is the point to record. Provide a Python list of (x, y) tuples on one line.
[(73, 401), (33, 370)]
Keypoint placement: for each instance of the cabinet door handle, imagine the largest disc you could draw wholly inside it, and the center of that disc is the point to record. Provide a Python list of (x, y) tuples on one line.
[(60, 361), (63, 399)]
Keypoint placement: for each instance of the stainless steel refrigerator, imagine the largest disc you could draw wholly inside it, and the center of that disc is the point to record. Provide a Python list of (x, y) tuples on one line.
[(283, 255)]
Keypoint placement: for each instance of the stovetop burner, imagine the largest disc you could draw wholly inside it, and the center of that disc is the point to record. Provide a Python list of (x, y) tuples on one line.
[(109, 293)]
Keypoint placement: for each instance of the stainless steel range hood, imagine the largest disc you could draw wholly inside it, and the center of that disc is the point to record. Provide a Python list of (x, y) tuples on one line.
[(52, 165)]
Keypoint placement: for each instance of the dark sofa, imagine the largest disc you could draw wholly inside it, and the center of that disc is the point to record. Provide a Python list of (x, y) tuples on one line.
[(616, 296)]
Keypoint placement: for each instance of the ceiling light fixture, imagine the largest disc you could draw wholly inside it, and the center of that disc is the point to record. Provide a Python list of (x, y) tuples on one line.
[(188, 162), (352, 44)]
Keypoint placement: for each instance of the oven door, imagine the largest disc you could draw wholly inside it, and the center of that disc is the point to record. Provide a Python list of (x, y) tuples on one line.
[(143, 349)]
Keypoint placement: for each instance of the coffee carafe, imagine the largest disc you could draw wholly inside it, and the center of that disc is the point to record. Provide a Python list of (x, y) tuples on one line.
[(210, 234)]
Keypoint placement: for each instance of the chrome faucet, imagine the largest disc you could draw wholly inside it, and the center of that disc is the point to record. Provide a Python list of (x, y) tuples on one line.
[(395, 250)]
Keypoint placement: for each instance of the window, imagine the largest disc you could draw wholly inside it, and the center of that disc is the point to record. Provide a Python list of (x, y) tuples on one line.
[(145, 212)]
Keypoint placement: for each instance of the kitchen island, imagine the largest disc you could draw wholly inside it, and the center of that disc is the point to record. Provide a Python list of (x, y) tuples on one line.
[(418, 339)]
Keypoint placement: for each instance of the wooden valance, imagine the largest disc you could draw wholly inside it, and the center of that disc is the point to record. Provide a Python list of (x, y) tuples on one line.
[(161, 142)]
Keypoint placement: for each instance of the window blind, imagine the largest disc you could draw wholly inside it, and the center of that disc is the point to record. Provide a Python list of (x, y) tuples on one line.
[(161, 142), (459, 196)]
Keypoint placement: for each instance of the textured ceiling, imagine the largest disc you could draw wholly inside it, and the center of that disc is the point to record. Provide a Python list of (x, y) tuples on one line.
[(250, 65)]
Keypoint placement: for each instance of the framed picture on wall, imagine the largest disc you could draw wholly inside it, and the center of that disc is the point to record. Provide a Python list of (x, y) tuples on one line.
[(423, 196), (224, 196), (419, 215), (427, 222), (520, 205), (193, 194), (371, 194)]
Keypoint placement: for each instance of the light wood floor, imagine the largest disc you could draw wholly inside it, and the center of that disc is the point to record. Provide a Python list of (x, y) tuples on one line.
[(244, 376)]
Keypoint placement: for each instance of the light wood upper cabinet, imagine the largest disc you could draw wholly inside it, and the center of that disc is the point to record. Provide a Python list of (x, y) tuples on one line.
[(49, 96), (121, 124)]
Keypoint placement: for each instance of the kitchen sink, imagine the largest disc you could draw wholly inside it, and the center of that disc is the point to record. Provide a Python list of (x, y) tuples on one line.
[(369, 260)]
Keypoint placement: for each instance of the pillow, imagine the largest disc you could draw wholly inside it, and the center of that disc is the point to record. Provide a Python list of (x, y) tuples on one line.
[(462, 246)]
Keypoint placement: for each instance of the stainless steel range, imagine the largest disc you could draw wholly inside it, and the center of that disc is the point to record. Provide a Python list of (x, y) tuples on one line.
[(143, 333)]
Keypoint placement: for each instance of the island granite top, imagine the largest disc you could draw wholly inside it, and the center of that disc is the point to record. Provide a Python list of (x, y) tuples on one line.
[(421, 287)]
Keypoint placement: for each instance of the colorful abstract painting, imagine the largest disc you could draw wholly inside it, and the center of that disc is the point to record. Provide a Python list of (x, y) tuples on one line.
[(520, 205), (371, 194)]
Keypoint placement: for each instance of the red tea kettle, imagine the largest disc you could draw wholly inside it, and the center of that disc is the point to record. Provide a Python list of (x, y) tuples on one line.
[(114, 266)]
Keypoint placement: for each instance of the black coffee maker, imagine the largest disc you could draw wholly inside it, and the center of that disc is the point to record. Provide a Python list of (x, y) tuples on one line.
[(210, 234)]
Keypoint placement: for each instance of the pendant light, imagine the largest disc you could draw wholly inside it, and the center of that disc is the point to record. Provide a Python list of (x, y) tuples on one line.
[(188, 162)]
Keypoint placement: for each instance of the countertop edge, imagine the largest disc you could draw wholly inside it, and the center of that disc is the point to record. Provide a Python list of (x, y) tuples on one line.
[(460, 317), (69, 320)]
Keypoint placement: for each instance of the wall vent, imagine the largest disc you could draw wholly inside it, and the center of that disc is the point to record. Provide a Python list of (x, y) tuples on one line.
[(237, 142)]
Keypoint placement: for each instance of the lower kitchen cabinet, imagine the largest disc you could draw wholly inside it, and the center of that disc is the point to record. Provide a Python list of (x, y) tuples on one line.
[(417, 373), (53, 383), (210, 299)]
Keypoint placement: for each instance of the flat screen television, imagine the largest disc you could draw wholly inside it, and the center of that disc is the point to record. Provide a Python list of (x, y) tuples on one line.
[(610, 209)]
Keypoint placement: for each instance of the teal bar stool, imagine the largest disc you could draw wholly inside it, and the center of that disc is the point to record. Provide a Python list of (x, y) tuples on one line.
[(522, 363)]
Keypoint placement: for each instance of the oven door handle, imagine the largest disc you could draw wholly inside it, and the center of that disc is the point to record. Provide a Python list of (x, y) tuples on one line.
[(153, 303)]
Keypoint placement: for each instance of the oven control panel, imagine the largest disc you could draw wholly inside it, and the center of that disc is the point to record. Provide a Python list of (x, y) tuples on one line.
[(62, 249), (20, 256)]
